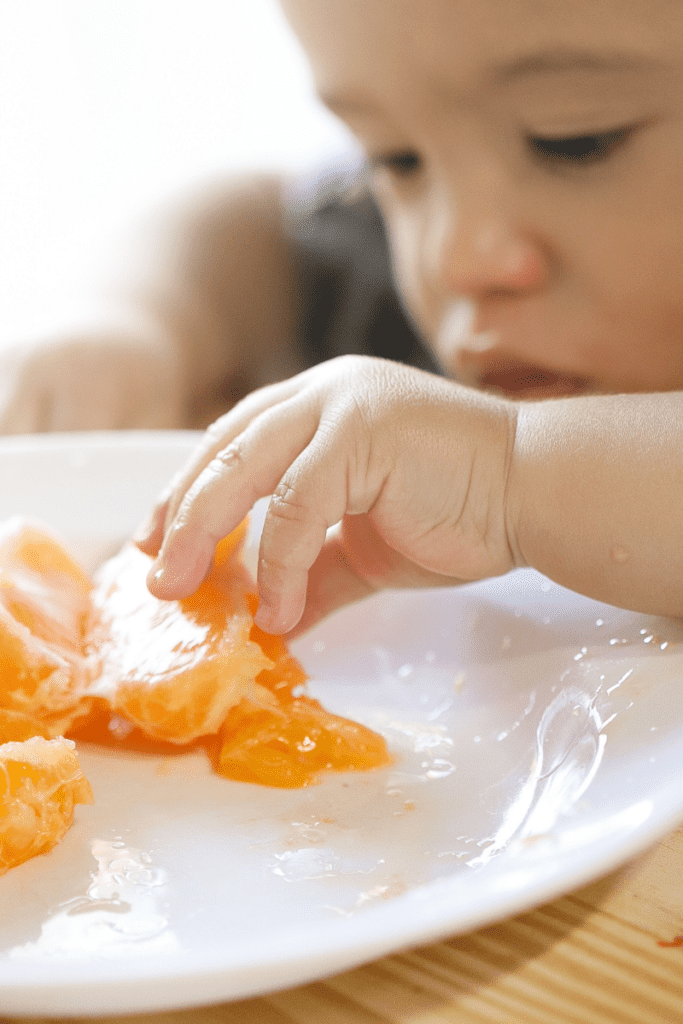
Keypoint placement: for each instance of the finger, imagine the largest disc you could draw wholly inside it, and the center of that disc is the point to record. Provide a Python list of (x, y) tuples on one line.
[(355, 562), (149, 535), (249, 468), (312, 496), (332, 584)]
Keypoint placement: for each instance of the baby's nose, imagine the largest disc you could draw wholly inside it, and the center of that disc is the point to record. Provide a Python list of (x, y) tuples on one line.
[(479, 256)]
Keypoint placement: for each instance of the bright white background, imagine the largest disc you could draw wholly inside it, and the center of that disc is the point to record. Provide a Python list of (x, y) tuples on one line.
[(108, 108)]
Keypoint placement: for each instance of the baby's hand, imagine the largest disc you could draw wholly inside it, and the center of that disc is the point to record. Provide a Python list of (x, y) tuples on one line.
[(411, 468), (106, 381)]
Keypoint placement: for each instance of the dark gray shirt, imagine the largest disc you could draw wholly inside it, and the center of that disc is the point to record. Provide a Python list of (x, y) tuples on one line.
[(350, 304)]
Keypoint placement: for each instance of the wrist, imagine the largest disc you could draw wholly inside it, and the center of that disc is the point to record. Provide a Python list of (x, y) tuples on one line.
[(522, 483)]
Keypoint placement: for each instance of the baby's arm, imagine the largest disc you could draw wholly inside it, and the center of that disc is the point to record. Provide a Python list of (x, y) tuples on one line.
[(221, 279), (596, 498), (201, 313), (430, 483)]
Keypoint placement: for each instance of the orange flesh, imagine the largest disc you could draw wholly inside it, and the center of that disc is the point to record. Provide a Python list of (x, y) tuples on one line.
[(290, 746), (17, 727), (44, 604), (111, 664), (40, 783), (200, 667), (174, 668), (44, 675)]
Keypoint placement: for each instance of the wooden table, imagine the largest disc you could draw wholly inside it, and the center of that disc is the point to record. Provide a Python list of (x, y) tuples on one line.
[(605, 954)]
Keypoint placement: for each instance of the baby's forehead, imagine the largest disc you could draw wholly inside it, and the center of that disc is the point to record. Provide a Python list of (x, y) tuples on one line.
[(470, 43)]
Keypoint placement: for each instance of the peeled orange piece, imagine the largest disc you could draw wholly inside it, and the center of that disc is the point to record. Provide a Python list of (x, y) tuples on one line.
[(111, 663), (290, 743), (179, 670), (175, 668), (289, 746), (16, 726), (44, 606), (40, 782)]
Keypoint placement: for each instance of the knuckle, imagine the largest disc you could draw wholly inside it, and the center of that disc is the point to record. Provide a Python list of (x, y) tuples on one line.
[(355, 370), (286, 505), (293, 525), (232, 457), (274, 568)]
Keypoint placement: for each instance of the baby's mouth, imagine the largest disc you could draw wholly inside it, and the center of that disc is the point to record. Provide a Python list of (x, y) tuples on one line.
[(479, 358), (523, 381)]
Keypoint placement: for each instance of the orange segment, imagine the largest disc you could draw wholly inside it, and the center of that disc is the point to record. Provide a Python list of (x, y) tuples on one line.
[(15, 726), (40, 783), (289, 746), (111, 663), (114, 664), (42, 585), (44, 605), (175, 668), (180, 670), (286, 677)]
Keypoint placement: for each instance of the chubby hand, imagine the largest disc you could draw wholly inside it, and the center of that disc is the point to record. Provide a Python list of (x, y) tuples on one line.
[(88, 382), (380, 476)]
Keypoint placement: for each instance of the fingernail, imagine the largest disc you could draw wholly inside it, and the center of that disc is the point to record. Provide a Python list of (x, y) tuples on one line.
[(264, 616), (159, 580), (156, 571)]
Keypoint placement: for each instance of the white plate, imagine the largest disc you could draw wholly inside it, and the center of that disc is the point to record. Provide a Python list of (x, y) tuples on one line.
[(537, 737)]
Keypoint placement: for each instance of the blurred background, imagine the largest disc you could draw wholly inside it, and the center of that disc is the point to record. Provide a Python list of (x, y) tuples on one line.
[(110, 108)]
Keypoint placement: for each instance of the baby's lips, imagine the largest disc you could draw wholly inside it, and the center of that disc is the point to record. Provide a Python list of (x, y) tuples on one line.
[(516, 379), (533, 382)]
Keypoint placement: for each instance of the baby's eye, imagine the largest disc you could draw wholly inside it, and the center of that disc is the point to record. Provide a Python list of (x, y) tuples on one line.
[(577, 149), (400, 163)]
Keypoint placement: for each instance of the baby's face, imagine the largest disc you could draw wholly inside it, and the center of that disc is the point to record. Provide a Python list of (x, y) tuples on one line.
[(528, 157)]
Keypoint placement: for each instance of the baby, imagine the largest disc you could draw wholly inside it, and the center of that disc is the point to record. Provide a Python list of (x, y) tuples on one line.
[(527, 159)]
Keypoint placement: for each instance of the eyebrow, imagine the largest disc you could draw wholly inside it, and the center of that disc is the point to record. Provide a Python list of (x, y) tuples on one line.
[(551, 61), (560, 60)]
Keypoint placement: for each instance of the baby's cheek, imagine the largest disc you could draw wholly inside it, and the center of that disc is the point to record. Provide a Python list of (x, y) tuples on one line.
[(422, 301), (420, 295)]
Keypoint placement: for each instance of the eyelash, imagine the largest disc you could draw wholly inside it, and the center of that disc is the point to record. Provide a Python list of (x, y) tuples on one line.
[(401, 164), (566, 150), (578, 149)]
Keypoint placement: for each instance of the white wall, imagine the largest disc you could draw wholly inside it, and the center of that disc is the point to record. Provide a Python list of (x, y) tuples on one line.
[(109, 107)]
